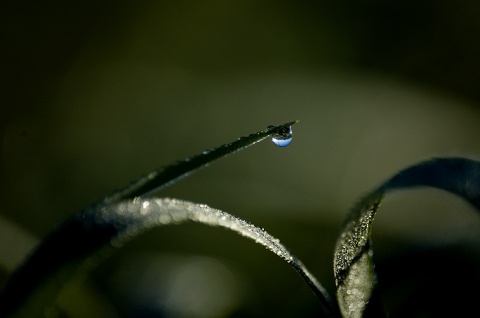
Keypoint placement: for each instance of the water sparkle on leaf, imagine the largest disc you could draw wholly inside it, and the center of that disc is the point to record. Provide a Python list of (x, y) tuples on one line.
[(283, 137)]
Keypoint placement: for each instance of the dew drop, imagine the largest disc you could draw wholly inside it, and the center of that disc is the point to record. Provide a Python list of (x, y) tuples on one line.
[(207, 151), (282, 137)]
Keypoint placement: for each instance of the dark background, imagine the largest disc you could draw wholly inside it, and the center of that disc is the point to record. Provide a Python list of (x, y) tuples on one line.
[(95, 94)]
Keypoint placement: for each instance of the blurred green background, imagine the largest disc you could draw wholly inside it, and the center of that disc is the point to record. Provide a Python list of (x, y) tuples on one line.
[(95, 94)]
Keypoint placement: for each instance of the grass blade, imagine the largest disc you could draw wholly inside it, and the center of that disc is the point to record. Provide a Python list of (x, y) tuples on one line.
[(122, 216), (353, 266), (166, 176), (100, 228)]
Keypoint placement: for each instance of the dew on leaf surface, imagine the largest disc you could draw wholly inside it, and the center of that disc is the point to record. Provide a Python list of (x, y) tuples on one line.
[(283, 136)]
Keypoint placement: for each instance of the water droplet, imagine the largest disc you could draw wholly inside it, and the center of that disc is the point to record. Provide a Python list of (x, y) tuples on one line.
[(282, 137)]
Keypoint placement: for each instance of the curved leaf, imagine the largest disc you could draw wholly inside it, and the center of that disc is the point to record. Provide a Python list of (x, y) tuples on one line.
[(103, 227), (121, 216), (353, 266)]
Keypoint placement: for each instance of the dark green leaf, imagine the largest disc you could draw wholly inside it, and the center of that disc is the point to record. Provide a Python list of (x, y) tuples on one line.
[(102, 227), (166, 176), (120, 217), (353, 266)]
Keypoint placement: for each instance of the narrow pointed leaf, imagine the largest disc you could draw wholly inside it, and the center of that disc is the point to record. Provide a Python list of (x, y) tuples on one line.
[(353, 266), (80, 240), (99, 228), (168, 175)]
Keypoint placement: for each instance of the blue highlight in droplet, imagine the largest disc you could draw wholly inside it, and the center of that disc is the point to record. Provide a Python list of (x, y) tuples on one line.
[(281, 142), (282, 137)]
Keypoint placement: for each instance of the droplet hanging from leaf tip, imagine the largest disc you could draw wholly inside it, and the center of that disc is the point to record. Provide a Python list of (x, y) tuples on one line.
[(283, 136)]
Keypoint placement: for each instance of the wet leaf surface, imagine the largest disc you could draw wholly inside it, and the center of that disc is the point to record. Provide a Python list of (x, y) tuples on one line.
[(353, 266)]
